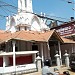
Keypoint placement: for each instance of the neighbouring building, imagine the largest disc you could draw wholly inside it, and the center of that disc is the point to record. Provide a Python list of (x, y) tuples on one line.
[(26, 34), (67, 30)]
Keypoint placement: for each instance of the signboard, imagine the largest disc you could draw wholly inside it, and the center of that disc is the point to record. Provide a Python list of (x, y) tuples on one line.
[(66, 29)]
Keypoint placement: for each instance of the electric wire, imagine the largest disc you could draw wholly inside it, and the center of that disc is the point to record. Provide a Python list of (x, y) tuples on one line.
[(12, 1), (8, 4), (48, 17), (9, 10), (14, 7), (69, 1), (27, 12), (5, 4), (4, 11)]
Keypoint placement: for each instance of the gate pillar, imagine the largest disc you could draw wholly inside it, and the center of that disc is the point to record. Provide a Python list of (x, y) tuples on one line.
[(57, 60), (66, 55)]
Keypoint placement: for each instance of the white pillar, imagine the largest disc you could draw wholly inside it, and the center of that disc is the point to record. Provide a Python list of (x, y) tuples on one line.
[(48, 50), (5, 61), (14, 61), (3, 64), (57, 60), (34, 57), (38, 63), (60, 52), (66, 55), (42, 51)]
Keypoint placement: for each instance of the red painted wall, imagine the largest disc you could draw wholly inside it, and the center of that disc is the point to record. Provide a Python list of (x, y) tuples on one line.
[(1, 61), (24, 60), (10, 61), (21, 60)]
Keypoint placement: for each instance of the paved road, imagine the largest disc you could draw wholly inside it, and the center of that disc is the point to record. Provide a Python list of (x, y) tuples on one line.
[(61, 70)]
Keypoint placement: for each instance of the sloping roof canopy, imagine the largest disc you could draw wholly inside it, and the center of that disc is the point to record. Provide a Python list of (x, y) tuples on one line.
[(68, 40), (32, 36), (29, 36)]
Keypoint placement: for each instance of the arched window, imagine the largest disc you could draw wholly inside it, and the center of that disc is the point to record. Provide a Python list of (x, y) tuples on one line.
[(12, 23), (35, 24)]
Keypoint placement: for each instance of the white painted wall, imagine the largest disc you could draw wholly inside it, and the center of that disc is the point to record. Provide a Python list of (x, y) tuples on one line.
[(17, 68)]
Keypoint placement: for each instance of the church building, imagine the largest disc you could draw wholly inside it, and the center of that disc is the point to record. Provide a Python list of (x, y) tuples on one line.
[(26, 34), (25, 19)]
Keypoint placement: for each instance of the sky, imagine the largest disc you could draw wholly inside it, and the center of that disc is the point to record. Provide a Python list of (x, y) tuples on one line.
[(52, 8)]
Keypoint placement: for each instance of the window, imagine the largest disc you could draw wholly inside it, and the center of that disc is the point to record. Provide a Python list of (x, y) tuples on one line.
[(34, 47), (2, 47)]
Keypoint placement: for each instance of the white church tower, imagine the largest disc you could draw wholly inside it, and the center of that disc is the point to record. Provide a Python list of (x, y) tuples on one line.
[(24, 19), (25, 6)]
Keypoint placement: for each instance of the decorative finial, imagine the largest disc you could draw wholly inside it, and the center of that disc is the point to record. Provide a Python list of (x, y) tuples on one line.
[(56, 52), (65, 51), (38, 54)]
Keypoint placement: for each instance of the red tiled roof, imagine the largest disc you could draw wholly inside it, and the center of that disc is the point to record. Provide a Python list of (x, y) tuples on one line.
[(27, 36), (31, 36), (67, 40), (2, 31)]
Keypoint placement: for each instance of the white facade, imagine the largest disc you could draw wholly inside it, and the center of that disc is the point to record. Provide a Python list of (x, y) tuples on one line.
[(24, 19)]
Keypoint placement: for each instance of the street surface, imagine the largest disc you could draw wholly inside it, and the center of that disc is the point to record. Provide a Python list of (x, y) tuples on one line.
[(61, 70)]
